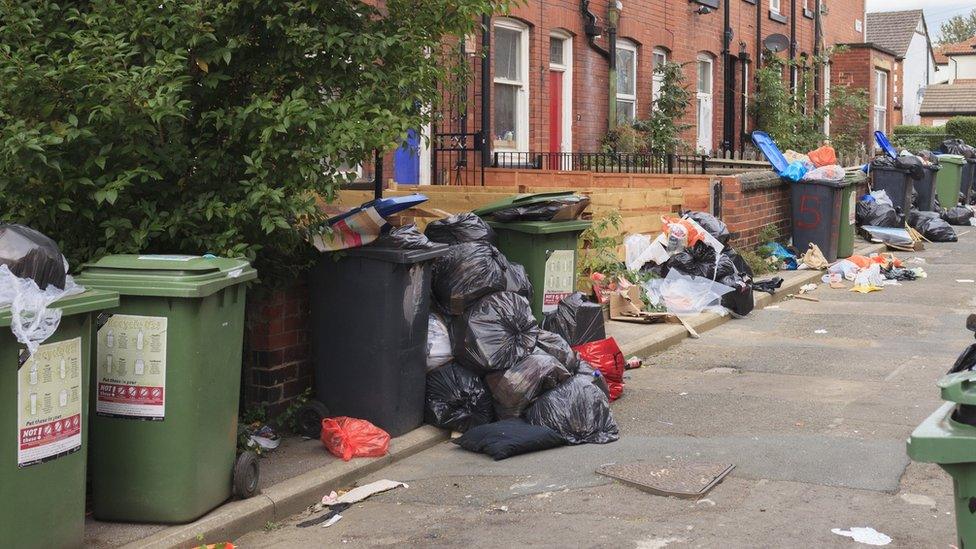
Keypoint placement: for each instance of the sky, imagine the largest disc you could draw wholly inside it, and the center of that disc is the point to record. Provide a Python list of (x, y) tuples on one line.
[(936, 11)]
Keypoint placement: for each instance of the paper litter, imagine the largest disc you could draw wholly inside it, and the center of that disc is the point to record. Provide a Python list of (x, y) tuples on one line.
[(865, 535)]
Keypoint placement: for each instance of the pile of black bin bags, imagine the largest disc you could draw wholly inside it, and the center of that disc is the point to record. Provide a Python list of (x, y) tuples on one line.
[(726, 268), (510, 386)]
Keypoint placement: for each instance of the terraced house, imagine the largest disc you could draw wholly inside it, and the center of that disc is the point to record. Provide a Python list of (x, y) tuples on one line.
[(559, 74)]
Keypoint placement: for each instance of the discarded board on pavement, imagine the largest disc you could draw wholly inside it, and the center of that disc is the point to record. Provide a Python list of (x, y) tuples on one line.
[(690, 480)]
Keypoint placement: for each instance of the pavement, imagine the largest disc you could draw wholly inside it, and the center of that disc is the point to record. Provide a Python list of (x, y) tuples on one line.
[(814, 422), (812, 402)]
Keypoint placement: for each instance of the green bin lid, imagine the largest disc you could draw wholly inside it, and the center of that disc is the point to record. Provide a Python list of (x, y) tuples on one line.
[(542, 227), (519, 200), (952, 159), (165, 275), (91, 300), (959, 387)]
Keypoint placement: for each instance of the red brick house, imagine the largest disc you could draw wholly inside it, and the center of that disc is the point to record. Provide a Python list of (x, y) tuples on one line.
[(548, 72)]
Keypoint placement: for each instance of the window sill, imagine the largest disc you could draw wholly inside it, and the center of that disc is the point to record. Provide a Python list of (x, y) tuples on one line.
[(778, 17), (714, 4), (753, 2)]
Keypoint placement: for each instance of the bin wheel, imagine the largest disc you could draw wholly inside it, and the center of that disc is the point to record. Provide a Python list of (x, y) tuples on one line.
[(310, 416), (247, 473)]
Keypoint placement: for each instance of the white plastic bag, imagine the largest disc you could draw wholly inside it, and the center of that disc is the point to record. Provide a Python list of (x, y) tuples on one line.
[(438, 343), (640, 249), (831, 172), (881, 197), (683, 294), (31, 319), (847, 269)]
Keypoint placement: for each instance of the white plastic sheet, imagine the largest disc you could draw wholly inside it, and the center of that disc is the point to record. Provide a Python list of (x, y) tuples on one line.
[(683, 294), (640, 250), (438, 343), (32, 320)]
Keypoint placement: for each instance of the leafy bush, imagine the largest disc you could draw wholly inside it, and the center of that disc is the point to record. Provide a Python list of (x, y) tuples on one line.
[(915, 138), (963, 127), (201, 126), (663, 129), (792, 120)]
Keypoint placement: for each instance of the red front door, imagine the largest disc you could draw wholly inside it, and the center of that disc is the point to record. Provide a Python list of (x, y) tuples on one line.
[(555, 117)]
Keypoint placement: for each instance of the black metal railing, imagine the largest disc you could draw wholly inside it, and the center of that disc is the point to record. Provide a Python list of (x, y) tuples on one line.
[(602, 162)]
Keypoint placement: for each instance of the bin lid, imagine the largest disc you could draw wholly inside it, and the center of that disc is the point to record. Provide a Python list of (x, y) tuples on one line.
[(885, 145), (396, 255), (165, 275), (520, 200), (385, 206), (86, 302), (772, 152), (542, 227), (959, 387), (952, 159)]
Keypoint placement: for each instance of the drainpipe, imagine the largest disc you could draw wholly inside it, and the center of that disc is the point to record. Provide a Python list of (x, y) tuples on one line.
[(759, 52), (793, 45), (594, 31), (744, 62), (817, 32), (485, 90), (613, 18), (728, 100)]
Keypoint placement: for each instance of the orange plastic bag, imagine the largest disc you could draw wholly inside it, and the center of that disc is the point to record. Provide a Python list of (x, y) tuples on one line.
[(861, 261), (694, 235), (348, 437), (824, 156)]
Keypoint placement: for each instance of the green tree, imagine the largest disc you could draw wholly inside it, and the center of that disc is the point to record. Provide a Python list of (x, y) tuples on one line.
[(793, 121), (204, 125), (663, 128), (958, 28)]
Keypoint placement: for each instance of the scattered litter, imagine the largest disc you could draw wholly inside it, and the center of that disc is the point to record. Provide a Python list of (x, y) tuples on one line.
[(773, 307), (865, 535), (806, 288), (684, 480), (362, 492), (633, 363), (706, 501), (814, 258), (806, 298), (261, 437), (918, 499), (965, 280), (682, 394), (334, 519), (916, 260), (820, 331)]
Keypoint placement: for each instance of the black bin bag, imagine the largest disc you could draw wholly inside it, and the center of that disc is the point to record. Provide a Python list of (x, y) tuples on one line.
[(517, 280), (509, 437), (578, 410), (876, 214), (959, 215), (514, 389), (713, 225), (555, 345), (457, 399), (30, 254), (406, 237), (932, 226), (495, 333), (466, 273), (459, 229), (577, 320)]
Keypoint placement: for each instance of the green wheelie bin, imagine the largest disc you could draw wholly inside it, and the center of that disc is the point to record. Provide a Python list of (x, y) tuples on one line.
[(948, 180), (45, 397), (166, 388), (547, 249)]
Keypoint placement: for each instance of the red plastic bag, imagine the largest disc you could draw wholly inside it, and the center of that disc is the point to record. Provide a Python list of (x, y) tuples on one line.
[(605, 355), (348, 437)]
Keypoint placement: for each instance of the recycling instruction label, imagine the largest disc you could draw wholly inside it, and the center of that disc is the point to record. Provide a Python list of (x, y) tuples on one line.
[(131, 367), (559, 279), (50, 387)]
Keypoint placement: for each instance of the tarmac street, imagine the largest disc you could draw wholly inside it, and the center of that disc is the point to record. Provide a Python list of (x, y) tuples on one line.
[(811, 401)]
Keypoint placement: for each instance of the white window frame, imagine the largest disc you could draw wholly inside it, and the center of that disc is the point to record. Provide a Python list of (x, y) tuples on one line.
[(522, 97), (775, 6), (627, 45), (700, 96), (657, 80), (880, 94), (566, 67)]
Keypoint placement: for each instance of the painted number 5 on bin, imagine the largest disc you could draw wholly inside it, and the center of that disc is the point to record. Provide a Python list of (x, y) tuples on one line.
[(131, 367)]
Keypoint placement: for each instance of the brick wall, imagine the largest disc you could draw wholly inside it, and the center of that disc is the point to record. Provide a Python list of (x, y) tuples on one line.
[(856, 68), (277, 365)]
